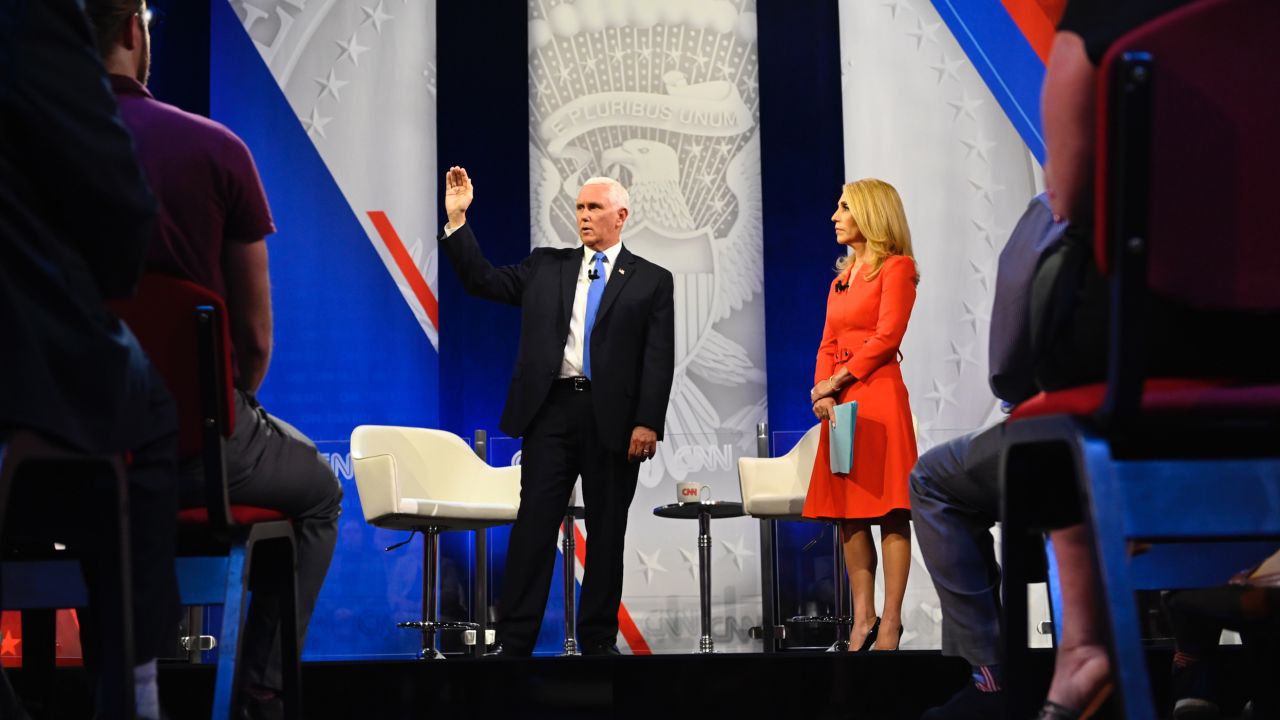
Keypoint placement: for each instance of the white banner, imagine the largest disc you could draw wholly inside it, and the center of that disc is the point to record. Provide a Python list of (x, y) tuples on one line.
[(918, 115), (664, 97), (361, 78)]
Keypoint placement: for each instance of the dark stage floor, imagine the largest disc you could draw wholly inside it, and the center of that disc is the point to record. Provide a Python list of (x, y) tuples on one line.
[(813, 686)]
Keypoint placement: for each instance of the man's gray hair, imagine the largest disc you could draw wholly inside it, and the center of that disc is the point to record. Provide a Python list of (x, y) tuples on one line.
[(617, 194)]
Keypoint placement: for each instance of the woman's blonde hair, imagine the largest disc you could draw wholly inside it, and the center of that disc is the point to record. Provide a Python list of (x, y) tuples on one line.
[(877, 211)]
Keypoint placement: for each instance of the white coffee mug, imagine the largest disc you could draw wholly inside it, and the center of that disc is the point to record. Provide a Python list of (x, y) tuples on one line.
[(689, 491)]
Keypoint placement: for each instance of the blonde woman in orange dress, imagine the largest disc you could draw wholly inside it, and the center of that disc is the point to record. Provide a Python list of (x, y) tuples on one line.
[(868, 307)]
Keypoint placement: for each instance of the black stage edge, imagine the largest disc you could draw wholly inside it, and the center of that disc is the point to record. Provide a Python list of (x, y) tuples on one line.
[(813, 686)]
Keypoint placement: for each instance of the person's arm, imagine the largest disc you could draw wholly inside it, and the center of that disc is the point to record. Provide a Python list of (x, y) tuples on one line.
[(1009, 358), (1067, 113), (820, 395), (249, 309), (658, 370), (61, 116), (897, 296), (825, 363), (479, 276)]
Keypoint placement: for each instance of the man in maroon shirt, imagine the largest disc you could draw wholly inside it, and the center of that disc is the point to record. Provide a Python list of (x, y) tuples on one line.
[(210, 229)]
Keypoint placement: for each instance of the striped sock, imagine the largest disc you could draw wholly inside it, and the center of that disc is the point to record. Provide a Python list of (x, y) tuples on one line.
[(986, 678)]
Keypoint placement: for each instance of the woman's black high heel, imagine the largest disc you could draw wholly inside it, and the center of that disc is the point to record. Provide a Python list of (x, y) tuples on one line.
[(900, 630), (871, 637)]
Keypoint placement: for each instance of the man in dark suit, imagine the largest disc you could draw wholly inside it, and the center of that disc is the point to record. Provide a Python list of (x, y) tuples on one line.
[(588, 395)]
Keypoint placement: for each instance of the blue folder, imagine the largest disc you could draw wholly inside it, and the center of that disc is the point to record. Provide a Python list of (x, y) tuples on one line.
[(846, 415)]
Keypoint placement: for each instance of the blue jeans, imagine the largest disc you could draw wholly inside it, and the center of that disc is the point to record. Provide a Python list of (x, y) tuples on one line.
[(955, 500)]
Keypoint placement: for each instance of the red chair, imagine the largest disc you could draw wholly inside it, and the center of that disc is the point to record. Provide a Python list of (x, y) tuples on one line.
[(1187, 153), (224, 549)]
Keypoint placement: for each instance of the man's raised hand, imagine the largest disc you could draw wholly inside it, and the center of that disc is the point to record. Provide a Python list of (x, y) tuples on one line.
[(458, 193)]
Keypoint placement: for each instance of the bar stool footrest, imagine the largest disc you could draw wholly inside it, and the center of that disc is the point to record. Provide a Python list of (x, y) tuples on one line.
[(762, 632), (426, 625), (822, 619)]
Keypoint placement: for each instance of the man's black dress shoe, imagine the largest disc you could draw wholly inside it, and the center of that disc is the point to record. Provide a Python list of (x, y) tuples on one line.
[(500, 650), (601, 649)]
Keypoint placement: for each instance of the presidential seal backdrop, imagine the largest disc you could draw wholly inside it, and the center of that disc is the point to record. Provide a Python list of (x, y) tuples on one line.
[(663, 97)]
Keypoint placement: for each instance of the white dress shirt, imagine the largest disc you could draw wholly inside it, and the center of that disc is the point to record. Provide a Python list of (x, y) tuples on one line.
[(571, 365)]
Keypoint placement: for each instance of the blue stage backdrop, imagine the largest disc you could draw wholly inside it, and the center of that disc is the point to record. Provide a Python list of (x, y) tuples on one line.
[(348, 347)]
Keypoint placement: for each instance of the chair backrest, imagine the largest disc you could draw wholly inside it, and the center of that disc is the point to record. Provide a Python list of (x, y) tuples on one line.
[(1187, 150), (392, 463), (1205, 185), (776, 487), (183, 328)]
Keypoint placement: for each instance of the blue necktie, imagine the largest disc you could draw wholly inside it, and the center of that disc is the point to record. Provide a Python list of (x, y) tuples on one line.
[(594, 292)]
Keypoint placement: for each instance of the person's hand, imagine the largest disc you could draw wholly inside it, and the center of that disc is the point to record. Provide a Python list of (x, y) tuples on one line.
[(841, 377), (825, 388), (644, 443), (822, 409), (831, 386), (458, 195)]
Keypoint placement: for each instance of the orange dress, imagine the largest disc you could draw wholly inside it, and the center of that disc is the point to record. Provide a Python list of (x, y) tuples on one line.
[(864, 328)]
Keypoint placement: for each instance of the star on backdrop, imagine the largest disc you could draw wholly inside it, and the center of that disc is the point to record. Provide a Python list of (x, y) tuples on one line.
[(315, 123), (986, 189), (979, 145), (351, 48), (895, 6), (973, 316), (965, 105), (982, 272), (925, 32), (376, 16), (737, 551), (943, 394), (331, 85), (947, 69), (690, 562), (961, 355), (649, 564)]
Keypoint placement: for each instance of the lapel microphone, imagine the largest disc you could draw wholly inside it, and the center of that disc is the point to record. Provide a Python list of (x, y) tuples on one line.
[(841, 287), (592, 274)]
